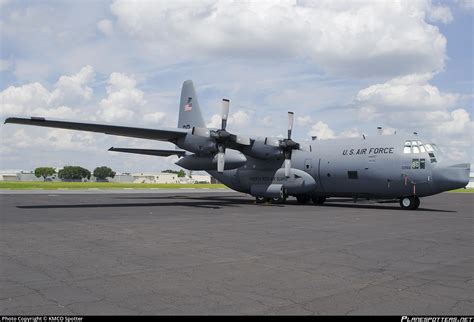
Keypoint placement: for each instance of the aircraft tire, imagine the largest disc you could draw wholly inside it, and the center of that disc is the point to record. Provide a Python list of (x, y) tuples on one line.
[(410, 203), (279, 200), (260, 199), (318, 200), (302, 199)]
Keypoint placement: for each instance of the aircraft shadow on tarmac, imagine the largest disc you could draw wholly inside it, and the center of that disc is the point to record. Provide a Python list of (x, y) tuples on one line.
[(217, 202)]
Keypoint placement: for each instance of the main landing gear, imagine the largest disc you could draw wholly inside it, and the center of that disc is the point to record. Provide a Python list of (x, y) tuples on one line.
[(410, 203), (302, 199), (279, 200)]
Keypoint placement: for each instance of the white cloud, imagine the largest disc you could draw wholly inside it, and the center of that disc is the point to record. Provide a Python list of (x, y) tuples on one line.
[(106, 27), (155, 118), (322, 131), (347, 37), (411, 103), (238, 119), (304, 120), (215, 121), (440, 14), (73, 87), (35, 99), (466, 4), (52, 139), (459, 123), (411, 92), (267, 121), (350, 133), (22, 99), (123, 99)]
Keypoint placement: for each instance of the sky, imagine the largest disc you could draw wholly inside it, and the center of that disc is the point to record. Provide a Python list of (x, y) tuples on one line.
[(343, 67)]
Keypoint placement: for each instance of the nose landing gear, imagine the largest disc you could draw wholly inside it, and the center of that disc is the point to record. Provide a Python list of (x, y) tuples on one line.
[(410, 203)]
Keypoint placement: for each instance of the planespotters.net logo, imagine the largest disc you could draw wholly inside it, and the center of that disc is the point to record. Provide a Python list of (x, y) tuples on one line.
[(437, 319)]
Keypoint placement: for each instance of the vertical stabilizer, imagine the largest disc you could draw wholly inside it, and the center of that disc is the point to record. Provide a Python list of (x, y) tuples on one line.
[(189, 112)]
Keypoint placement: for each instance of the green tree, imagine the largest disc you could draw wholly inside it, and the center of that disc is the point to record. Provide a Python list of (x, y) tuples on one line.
[(74, 173), (170, 171), (44, 172), (104, 172), (180, 173)]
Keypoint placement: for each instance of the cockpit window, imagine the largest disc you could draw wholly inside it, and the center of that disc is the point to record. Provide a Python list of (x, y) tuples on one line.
[(407, 148), (412, 146)]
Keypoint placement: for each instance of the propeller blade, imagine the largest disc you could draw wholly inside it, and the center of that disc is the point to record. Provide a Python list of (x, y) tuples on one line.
[(242, 140), (201, 131), (287, 167), (225, 112), (290, 123), (220, 162)]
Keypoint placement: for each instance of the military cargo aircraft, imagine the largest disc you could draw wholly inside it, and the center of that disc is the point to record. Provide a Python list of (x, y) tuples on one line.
[(387, 167)]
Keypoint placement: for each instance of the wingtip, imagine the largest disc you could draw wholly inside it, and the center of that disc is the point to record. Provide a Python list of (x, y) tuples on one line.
[(111, 149)]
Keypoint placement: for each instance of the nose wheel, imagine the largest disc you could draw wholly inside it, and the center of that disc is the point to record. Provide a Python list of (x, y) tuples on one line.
[(410, 203)]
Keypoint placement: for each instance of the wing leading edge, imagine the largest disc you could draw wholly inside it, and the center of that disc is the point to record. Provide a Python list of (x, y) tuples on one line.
[(170, 135), (160, 153)]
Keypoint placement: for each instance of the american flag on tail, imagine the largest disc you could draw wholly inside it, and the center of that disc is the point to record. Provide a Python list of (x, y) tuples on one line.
[(189, 105)]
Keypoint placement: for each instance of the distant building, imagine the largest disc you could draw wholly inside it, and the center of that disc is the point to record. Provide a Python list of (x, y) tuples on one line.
[(122, 178), (8, 177), (471, 181), (149, 177), (201, 178), (155, 177)]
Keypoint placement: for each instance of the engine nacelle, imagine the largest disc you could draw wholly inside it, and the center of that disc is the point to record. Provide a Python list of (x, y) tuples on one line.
[(233, 159), (260, 150)]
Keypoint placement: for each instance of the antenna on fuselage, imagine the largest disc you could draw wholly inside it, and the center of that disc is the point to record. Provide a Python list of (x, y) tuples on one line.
[(363, 135), (313, 138), (379, 130)]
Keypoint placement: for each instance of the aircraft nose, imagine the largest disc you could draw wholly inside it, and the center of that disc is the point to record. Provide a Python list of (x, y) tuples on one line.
[(449, 177)]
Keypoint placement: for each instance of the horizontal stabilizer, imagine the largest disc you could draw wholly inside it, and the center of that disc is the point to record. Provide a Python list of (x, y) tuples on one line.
[(160, 153), (154, 134)]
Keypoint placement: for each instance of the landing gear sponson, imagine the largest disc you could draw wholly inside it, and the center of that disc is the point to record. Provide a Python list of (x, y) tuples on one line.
[(302, 199), (406, 203)]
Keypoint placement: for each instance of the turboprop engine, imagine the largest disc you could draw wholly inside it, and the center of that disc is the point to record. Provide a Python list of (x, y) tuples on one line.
[(233, 159)]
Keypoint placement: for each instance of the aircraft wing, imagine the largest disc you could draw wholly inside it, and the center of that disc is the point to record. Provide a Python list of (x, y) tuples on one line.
[(135, 132), (160, 153)]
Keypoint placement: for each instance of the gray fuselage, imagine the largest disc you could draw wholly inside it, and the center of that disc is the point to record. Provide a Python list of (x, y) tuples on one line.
[(374, 167)]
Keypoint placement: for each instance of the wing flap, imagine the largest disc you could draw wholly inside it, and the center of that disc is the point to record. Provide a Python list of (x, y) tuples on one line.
[(135, 132), (160, 153)]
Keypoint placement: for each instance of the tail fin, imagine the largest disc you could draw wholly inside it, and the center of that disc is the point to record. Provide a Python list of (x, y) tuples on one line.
[(189, 111)]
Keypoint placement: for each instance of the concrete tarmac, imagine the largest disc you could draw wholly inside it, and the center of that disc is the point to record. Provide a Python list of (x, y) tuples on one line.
[(219, 253)]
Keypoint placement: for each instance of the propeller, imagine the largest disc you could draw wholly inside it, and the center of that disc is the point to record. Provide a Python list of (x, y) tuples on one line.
[(221, 136), (286, 145)]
